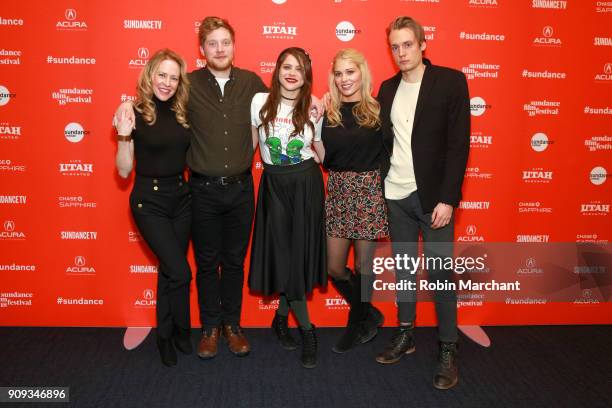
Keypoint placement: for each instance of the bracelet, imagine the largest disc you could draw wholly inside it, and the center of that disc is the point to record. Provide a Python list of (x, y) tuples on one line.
[(122, 138)]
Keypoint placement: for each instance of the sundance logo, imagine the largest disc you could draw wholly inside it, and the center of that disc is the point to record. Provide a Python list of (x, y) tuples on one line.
[(8, 299), (10, 57), (10, 232), (5, 95), (143, 269), (470, 235), (537, 175), (76, 168), (478, 106), (142, 24), (474, 205), (598, 175), (549, 4), (547, 38), (541, 108), (147, 300), (543, 74), (66, 96), (142, 57), (79, 235), (606, 74), (481, 71), (80, 267), (596, 143), (11, 21), (71, 22), (532, 238), (345, 31), (74, 132), (602, 41), (279, 30), (13, 199), (481, 36), (8, 131), (539, 142), (430, 32)]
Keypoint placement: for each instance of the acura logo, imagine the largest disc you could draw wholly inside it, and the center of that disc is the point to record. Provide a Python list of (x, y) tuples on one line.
[(70, 14), (148, 294), (547, 31), (9, 225), (531, 262), (143, 52), (608, 68), (470, 230), (79, 260)]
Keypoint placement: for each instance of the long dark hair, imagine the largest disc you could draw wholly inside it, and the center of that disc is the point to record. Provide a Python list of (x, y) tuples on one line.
[(301, 109)]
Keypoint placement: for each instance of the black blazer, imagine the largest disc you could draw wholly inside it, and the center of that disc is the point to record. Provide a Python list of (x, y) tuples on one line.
[(440, 134)]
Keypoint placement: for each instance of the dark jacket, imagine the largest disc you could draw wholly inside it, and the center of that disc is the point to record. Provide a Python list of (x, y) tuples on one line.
[(440, 134)]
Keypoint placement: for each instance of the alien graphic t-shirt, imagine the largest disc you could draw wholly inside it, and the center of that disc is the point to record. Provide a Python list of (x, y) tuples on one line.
[(278, 148)]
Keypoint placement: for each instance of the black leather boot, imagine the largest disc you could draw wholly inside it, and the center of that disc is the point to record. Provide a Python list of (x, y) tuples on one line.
[(352, 335), (402, 342), (446, 375), (166, 351), (281, 328), (309, 347)]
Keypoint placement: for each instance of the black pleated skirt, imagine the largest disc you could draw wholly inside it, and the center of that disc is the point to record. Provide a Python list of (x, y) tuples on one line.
[(288, 253)]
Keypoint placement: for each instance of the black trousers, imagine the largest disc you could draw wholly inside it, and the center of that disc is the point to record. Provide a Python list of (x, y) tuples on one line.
[(406, 220), (161, 208), (222, 221)]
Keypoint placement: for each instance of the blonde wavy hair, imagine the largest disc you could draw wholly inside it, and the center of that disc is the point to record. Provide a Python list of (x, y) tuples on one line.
[(367, 110), (145, 104)]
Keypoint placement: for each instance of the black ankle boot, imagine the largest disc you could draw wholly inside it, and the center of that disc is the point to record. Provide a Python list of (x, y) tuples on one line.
[(182, 340), (401, 343), (446, 375), (281, 328), (166, 351), (353, 333), (309, 347)]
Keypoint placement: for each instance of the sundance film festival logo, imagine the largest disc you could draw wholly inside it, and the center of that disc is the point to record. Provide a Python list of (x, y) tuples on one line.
[(80, 267), (530, 268), (606, 75), (279, 30), (9, 166), (10, 232), (10, 57), (596, 208), (597, 143), (11, 21), (471, 235), (9, 131), (141, 58), (483, 3), (602, 41), (13, 199), (598, 175), (146, 300), (549, 4), (74, 132), (75, 202), (71, 22), (143, 269), (533, 207), (474, 205), (5, 95), (478, 106), (76, 168), (68, 96), (537, 175), (346, 31), (430, 32), (539, 142), (480, 141), (16, 299), (142, 24), (267, 67), (547, 39), (481, 71), (477, 173), (532, 238), (603, 7), (542, 108)]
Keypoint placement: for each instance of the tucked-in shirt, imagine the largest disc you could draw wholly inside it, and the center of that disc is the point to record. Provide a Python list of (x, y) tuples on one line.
[(401, 182), (351, 147), (222, 144), (160, 149), (279, 147)]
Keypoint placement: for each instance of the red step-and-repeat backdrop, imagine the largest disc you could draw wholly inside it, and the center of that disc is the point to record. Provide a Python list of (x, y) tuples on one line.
[(540, 79)]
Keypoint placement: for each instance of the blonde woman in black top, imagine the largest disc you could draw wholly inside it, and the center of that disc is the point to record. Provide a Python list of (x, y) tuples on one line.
[(355, 206), (160, 200)]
